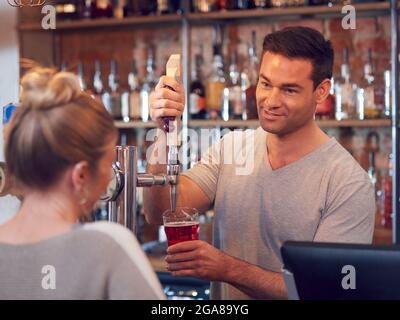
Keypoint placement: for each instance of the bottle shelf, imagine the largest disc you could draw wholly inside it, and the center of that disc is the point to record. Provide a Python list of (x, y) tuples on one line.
[(66, 25), (362, 9), (270, 14), (355, 123), (135, 124), (223, 124), (256, 123)]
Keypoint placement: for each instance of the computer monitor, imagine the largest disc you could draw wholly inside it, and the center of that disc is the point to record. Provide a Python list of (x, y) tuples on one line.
[(331, 271)]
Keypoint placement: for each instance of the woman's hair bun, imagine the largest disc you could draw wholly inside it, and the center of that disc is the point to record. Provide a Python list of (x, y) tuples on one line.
[(44, 88)]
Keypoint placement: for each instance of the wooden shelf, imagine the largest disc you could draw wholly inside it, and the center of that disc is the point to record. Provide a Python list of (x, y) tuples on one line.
[(256, 123), (377, 8), (354, 123), (362, 9), (135, 125), (107, 23), (224, 124)]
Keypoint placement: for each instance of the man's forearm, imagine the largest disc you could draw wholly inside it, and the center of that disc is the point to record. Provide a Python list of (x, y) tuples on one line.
[(254, 281), (156, 198)]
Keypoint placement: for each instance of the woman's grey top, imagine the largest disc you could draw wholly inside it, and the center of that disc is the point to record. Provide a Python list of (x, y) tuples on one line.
[(99, 260)]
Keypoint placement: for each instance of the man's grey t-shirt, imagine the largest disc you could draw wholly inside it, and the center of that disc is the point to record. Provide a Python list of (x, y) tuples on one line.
[(99, 260), (325, 196)]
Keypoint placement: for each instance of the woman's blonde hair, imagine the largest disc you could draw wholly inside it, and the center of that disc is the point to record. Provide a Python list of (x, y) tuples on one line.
[(55, 126)]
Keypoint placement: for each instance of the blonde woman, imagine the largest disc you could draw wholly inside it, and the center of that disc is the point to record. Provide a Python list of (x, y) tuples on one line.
[(59, 149)]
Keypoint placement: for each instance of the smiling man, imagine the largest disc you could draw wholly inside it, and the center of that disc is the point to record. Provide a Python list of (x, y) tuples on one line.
[(304, 186)]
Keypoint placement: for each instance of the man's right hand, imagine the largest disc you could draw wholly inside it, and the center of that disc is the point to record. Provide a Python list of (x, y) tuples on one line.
[(167, 100)]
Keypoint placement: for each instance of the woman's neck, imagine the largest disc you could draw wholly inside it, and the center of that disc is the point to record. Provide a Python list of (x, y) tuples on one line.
[(41, 216)]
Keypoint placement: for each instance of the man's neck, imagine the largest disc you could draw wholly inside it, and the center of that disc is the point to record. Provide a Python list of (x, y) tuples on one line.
[(286, 149)]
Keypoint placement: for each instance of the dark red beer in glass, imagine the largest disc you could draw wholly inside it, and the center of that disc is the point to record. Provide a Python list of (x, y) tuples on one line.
[(181, 225), (181, 231)]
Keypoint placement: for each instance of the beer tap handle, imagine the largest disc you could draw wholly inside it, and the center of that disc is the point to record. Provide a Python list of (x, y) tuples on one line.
[(172, 127), (171, 124)]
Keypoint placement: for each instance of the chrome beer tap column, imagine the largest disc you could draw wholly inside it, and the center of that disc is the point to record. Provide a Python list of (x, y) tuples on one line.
[(121, 191), (120, 195)]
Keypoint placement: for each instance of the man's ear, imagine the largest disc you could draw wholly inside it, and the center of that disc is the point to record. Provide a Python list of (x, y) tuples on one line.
[(322, 91), (80, 174)]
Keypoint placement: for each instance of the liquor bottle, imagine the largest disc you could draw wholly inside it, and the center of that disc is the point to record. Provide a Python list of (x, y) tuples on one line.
[(118, 9), (162, 6), (372, 147), (169, 6), (317, 2), (148, 85), (113, 82), (148, 7), (387, 187), (176, 6), (197, 103), (387, 93), (261, 4), (231, 5), (239, 4), (81, 76), (367, 106), (67, 9), (98, 88), (215, 85), (372, 168), (86, 9), (297, 3), (233, 101), (106, 99), (249, 79), (131, 8), (64, 66), (205, 5), (125, 103), (345, 92), (134, 97), (112, 97), (279, 3), (103, 9), (131, 98)]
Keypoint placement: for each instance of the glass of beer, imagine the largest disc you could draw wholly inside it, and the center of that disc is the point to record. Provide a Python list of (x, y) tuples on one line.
[(181, 225)]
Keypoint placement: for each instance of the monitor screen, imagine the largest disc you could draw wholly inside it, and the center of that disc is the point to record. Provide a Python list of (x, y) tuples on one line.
[(331, 271)]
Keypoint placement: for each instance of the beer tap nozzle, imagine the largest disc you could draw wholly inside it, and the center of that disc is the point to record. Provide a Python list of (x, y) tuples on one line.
[(173, 170)]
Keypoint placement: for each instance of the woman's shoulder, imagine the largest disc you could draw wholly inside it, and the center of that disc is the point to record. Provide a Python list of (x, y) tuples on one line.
[(110, 228), (110, 239), (111, 232), (127, 250)]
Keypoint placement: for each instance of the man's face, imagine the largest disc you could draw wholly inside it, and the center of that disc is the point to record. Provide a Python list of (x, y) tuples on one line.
[(285, 94)]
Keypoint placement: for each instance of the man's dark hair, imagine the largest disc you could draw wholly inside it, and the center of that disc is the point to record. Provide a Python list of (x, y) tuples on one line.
[(303, 43)]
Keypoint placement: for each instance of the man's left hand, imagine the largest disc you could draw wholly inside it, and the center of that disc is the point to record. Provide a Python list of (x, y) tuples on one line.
[(198, 259)]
